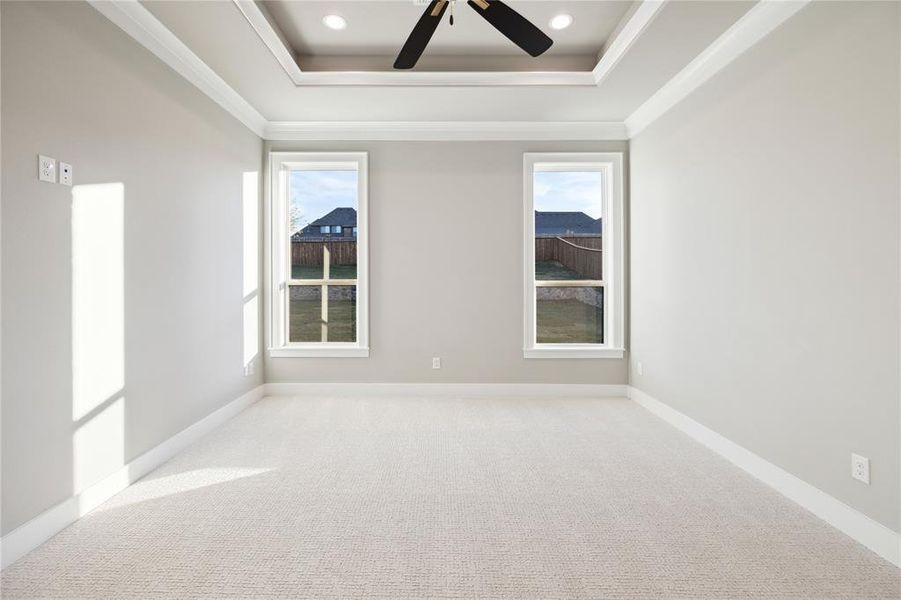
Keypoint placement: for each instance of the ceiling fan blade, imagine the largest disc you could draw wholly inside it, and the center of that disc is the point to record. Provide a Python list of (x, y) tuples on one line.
[(516, 27), (421, 34)]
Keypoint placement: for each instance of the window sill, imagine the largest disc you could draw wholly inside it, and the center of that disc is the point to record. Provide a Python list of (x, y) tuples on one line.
[(572, 352), (319, 352)]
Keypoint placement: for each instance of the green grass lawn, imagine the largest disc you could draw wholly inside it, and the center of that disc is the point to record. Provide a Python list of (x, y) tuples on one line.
[(551, 270), (567, 321), (306, 321), (315, 272), (559, 320)]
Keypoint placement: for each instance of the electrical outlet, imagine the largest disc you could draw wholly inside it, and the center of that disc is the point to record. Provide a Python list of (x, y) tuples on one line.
[(639, 369), (860, 468), (436, 362), (46, 168), (248, 369), (65, 173)]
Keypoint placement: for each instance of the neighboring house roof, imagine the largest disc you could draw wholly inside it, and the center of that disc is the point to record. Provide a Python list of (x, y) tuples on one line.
[(564, 223), (546, 223), (345, 217)]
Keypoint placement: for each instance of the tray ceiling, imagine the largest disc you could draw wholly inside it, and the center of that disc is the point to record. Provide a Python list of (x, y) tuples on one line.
[(219, 34), (376, 30)]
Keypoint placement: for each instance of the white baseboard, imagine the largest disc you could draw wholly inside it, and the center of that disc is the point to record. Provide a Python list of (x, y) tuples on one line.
[(448, 390), (35, 532), (875, 536)]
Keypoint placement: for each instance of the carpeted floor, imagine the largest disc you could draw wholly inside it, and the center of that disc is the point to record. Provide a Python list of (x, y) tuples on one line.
[(411, 498)]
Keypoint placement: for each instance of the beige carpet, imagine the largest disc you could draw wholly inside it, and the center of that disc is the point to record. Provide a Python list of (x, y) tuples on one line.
[(411, 498)]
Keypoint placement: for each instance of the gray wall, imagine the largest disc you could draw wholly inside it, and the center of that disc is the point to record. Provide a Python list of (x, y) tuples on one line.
[(446, 269), (765, 252), (75, 87)]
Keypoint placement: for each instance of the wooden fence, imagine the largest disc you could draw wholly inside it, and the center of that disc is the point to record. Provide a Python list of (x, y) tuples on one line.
[(581, 254), (343, 252)]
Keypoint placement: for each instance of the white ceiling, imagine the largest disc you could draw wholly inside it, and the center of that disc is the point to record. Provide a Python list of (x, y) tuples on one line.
[(377, 29), (219, 34)]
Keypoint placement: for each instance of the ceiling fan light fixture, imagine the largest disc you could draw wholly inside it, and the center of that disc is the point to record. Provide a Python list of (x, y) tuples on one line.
[(336, 22), (561, 21)]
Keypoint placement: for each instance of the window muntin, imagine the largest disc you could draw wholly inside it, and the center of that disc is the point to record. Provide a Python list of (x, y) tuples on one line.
[(573, 272), (319, 275)]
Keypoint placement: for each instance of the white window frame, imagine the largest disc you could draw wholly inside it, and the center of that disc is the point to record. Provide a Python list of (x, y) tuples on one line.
[(611, 165), (281, 163)]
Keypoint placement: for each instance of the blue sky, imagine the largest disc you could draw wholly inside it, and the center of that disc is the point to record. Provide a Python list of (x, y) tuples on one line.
[(316, 193), (566, 191)]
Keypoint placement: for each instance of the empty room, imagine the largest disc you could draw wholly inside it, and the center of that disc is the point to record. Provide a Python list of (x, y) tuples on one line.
[(445, 299)]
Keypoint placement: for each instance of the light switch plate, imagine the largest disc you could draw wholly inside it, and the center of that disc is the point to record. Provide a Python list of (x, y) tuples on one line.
[(46, 168), (65, 173)]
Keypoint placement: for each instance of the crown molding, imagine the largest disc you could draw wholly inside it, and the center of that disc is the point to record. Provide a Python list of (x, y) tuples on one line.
[(450, 131), (139, 23), (763, 18), (445, 78), (271, 35), (627, 32)]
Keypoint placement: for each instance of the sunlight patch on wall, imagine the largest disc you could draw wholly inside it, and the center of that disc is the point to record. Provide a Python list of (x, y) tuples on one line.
[(250, 213), (251, 329), (98, 295), (251, 232), (98, 446)]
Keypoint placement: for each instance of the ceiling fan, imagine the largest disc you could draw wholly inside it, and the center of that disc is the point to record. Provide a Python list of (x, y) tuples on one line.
[(517, 28)]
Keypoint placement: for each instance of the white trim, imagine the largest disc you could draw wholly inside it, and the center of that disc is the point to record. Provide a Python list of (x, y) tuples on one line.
[(321, 351), (875, 536), (140, 24), (38, 530), (444, 130), (611, 164), (279, 249), (446, 78), (635, 24), (271, 35), (574, 351), (449, 390), (450, 78), (763, 18)]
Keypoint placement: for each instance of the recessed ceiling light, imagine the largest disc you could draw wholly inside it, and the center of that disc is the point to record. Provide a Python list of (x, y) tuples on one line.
[(335, 22), (561, 21)]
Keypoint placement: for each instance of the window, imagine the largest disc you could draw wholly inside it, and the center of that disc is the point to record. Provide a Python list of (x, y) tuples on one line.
[(573, 295), (319, 302), (355, 232)]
